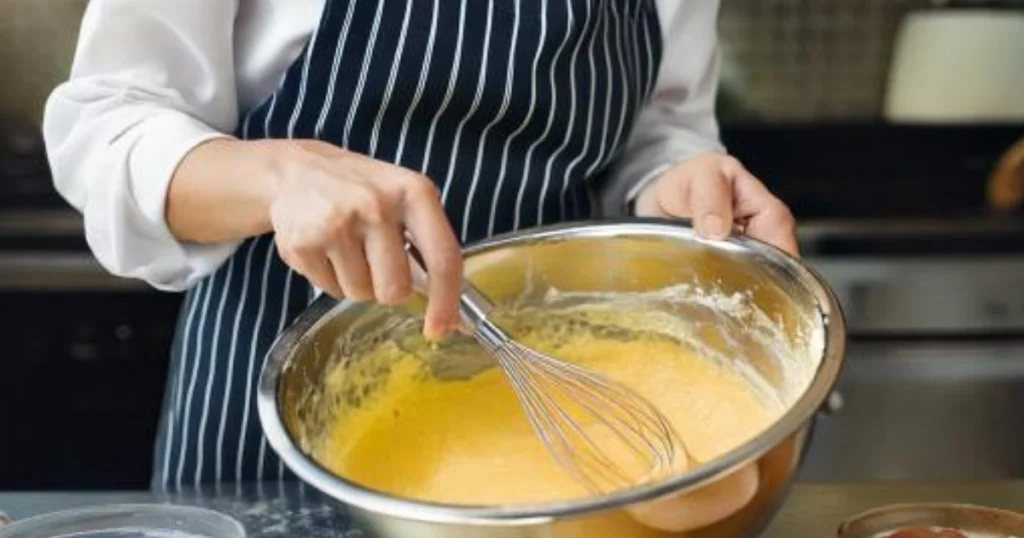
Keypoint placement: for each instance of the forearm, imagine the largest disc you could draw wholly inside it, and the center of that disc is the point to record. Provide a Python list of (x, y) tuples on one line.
[(222, 191)]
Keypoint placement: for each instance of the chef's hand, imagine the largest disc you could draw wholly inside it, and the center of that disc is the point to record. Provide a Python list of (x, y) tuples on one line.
[(716, 191), (339, 219)]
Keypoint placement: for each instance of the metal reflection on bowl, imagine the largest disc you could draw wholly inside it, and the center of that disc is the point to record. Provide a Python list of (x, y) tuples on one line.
[(607, 256)]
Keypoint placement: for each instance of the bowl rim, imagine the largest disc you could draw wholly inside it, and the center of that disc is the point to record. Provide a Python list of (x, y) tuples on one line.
[(361, 497)]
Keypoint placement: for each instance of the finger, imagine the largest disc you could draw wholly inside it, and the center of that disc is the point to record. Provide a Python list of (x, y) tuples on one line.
[(316, 268), (350, 268), (768, 218), (382, 242), (669, 197), (425, 220), (389, 266), (319, 271), (711, 204)]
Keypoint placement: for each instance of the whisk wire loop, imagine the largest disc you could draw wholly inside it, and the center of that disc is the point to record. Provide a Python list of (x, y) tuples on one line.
[(606, 436)]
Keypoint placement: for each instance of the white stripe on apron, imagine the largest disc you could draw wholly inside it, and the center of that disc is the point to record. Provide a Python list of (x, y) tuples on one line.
[(509, 145), (506, 95)]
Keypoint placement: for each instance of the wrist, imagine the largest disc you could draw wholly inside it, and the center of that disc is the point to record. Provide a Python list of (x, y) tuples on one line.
[(270, 170), (222, 190), (266, 167)]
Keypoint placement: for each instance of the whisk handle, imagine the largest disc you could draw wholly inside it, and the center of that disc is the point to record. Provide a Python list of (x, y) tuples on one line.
[(474, 306)]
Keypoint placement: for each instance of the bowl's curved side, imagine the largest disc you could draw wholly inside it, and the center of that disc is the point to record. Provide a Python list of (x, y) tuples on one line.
[(963, 517), (776, 471), (127, 520), (777, 452)]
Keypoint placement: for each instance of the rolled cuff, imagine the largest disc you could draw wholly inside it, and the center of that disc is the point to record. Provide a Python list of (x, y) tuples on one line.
[(631, 174), (127, 228)]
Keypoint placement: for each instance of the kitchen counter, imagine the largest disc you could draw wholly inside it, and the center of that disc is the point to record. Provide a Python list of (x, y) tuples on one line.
[(288, 510), (270, 510)]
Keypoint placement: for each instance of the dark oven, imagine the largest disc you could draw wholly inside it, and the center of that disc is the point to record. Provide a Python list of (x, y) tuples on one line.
[(84, 363), (84, 354)]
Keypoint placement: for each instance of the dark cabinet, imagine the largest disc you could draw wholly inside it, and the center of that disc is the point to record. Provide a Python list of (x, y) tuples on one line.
[(82, 377)]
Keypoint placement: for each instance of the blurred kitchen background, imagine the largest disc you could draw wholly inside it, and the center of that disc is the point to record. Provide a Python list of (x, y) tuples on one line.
[(894, 129)]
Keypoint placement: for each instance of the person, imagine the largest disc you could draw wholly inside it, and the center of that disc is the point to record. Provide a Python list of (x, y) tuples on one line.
[(253, 152)]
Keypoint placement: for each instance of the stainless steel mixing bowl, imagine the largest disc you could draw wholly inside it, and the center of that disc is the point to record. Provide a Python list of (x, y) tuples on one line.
[(627, 256)]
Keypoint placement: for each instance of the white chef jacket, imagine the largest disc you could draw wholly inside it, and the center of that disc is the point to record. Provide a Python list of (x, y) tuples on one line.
[(152, 79)]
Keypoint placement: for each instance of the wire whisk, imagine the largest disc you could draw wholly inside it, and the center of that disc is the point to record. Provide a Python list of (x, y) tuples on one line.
[(605, 435)]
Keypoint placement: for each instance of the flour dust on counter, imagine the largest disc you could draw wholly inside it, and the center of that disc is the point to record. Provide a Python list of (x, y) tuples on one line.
[(273, 520)]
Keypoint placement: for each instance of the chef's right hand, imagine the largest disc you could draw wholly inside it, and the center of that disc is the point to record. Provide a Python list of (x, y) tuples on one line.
[(339, 219)]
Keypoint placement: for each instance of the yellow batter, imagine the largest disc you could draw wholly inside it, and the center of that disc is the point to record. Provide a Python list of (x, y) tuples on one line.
[(468, 442)]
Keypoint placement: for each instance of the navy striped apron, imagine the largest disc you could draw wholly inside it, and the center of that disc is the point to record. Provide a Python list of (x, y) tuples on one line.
[(510, 106)]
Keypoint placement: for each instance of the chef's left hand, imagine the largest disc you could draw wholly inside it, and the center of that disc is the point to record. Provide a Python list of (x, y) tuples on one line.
[(716, 191)]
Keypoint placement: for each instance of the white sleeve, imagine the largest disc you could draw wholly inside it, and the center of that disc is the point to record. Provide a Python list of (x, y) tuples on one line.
[(679, 121), (151, 80)]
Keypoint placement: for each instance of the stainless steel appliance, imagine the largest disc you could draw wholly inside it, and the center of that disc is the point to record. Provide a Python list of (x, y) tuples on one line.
[(931, 276), (934, 387)]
